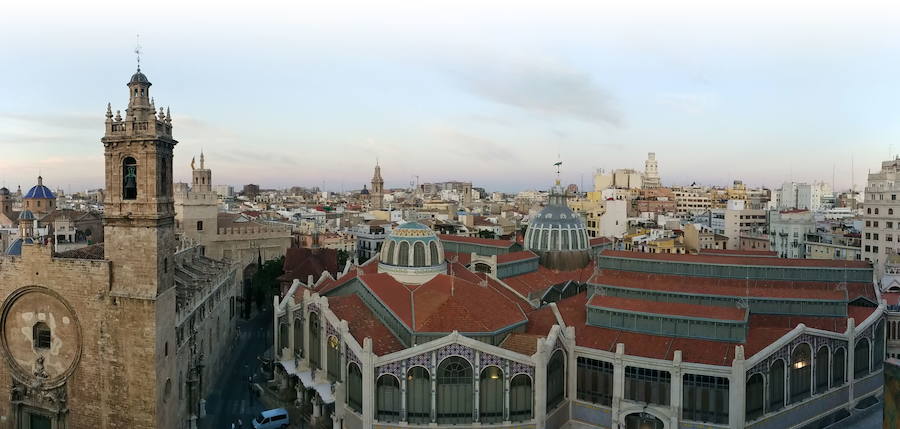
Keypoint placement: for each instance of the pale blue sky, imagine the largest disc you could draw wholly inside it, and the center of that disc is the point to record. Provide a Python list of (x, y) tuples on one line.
[(296, 94)]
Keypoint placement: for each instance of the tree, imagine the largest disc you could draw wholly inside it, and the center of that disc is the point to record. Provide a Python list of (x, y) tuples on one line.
[(342, 256), (265, 284)]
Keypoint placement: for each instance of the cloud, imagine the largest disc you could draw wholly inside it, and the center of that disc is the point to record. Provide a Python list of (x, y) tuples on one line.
[(474, 146), (693, 103), (80, 121), (538, 86)]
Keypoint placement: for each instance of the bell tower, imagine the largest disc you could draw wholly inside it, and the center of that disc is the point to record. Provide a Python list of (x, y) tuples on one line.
[(138, 205), (377, 195)]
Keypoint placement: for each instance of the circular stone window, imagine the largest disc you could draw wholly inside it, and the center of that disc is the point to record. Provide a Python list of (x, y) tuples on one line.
[(41, 336)]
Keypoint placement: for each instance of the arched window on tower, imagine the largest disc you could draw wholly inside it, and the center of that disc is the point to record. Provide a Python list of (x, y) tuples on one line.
[(129, 179)]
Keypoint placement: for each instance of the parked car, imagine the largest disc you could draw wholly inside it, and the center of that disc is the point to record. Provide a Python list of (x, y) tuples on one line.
[(272, 419)]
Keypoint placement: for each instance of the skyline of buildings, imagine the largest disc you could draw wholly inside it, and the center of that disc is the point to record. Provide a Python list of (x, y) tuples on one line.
[(453, 279)]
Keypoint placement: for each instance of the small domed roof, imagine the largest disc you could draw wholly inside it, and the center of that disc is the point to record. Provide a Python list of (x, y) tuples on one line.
[(26, 215), (139, 78), (4, 191), (412, 253), (558, 235), (40, 191), (364, 191), (15, 248)]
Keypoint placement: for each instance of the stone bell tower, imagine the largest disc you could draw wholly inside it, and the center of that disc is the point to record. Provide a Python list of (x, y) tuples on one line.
[(377, 195), (139, 229), (138, 204)]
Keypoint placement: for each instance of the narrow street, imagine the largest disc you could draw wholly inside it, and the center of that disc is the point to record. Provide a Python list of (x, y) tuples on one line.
[(230, 397)]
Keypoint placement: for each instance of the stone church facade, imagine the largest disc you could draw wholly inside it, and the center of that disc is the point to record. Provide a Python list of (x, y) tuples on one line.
[(108, 336)]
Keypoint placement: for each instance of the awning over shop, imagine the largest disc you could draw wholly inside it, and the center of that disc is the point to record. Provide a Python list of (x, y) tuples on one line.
[(322, 389)]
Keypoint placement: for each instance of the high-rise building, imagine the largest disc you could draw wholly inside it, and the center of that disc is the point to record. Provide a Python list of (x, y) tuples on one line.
[(377, 194), (802, 196), (251, 191), (881, 214), (651, 172)]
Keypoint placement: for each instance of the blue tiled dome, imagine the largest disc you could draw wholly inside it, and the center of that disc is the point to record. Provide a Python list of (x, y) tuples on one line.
[(26, 215), (15, 248), (40, 191), (4, 191)]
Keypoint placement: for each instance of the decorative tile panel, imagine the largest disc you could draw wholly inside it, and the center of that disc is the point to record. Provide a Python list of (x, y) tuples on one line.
[(488, 359), (351, 357), (423, 359), (394, 368), (313, 307), (456, 350), (520, 368), (330, 330)]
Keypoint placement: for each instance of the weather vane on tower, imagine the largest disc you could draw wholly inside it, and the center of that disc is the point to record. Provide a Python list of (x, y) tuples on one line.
[(137, 50)]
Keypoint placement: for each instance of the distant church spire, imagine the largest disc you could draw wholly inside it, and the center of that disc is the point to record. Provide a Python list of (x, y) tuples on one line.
[(377, 194)]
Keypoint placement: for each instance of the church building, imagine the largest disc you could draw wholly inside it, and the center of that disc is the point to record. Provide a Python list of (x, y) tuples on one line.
[(123, 334)]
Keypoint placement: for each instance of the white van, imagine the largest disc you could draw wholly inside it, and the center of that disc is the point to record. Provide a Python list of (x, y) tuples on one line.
[(272, 419)]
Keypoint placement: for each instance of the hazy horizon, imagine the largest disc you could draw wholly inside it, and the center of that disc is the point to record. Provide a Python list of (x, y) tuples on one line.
[(492, 93)]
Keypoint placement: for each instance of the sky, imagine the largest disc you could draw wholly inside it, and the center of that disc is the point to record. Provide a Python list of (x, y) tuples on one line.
[(493, 92)]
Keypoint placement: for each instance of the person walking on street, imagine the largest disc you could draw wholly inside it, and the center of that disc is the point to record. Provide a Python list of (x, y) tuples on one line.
[(240, 423), (232, 425)]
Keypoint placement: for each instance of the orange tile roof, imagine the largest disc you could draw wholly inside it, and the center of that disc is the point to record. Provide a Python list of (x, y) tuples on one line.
[(462, 258), (363, 323), (669, 308), (737, 252), (447, 303), (722, 286), (737, 260), (521, 343), (495, 284), (395, 295), (892, 298), (763, 331), (599, 240), (515, 256), (476, 240), (539, 281)]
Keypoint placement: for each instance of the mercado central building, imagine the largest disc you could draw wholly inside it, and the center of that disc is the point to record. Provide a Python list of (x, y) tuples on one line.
[(557, 330)]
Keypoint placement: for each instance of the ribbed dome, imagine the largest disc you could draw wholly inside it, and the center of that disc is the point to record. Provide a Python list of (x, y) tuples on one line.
[(558, 235), (15, 248), (40, 191), (26, 215), (139, 78), (4, 191), (412, 253)]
